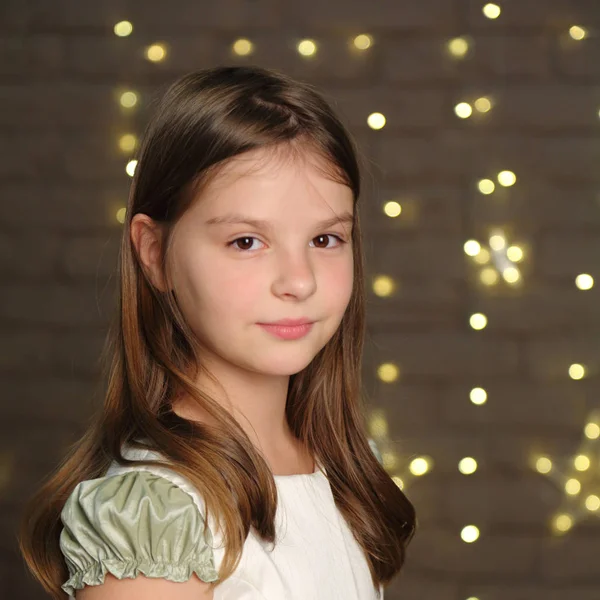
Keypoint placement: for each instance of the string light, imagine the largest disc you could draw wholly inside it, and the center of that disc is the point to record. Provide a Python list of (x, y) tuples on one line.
[(128, 99), (577, 371), (511, 274), (489, 276), (483, 104), (478, 396), (592, 431), (497, 242), (491, 11), (307, 48), (127, 142), (467, 465), (130, 168), (388, 372), (392, 209), (469, 534), (123, 28), (478, 321), (483, 258), (389, 459), (376, 120), (458, 47), (243, 47), (584, 281), (472, 247), (383, 286), (156, 52), (578, 480), (515, 253), (120, 216), (420, 466), (363, 41), (463, 110), (506, 178), (486, 186), (577, 32)]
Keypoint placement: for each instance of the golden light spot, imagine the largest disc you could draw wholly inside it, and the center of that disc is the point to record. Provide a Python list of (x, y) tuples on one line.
[(458, 47), (478, 396), (123, 28), (463, 110), (392, 208), (120, 215), (363, 41), (483, 104), (577, 371), (156, 52), (469, 534), (584, 281), (243, 47), (307, 48), (376, 120), (388, 372), (577, 32), (478, 321), (472, 247), (491, 11), (489, 276), (506, 178), (467, 465), (127, 142), (486, 186), (128, 99), (543, 465), (383, 286)]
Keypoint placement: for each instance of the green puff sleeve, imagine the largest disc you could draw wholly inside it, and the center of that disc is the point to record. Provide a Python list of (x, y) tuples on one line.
[(132, 523)]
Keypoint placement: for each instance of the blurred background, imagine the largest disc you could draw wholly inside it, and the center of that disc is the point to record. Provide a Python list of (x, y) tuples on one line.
[(480, 124)]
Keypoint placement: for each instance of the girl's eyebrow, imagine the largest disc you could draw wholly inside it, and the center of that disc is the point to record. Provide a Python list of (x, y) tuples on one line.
[(234, 218)]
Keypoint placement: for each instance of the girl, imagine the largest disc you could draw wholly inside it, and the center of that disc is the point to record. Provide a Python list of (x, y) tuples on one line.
[(230, 459)]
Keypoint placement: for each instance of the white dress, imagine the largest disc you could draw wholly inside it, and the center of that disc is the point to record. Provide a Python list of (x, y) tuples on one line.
[(130, 522)]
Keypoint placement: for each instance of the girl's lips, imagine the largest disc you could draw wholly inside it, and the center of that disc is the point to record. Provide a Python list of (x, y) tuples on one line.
[(287, 332)]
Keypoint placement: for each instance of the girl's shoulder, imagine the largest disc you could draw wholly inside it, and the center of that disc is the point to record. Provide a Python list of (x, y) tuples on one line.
[(164, 472), (129, 521)]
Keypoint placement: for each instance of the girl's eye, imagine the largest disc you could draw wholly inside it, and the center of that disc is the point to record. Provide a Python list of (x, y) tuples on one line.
[(248, 237)]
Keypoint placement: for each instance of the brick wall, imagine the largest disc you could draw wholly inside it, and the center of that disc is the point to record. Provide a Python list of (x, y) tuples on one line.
[(62, 179)]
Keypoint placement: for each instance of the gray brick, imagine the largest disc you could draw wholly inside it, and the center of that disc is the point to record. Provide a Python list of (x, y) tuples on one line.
[(578, 60), (557, 555), (498, 500), (414, 587), (92, 258), (564, 255), (509, 554), (515, 405), (534, 206), (55, 305), (527, 14), (408, 255), (525, 591), (40, 55), (46, 353), (64, 207), (25, 255), (549, 357), (55, 401), (399, 15), (426, 59)]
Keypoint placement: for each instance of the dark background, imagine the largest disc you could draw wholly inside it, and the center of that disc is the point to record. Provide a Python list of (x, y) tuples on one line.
[(63, 179)]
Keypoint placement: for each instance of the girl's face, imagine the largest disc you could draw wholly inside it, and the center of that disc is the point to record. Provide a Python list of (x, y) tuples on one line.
[(229, 277)]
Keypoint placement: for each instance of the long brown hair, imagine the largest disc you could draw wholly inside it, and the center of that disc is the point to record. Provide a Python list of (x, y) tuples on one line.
[(204, 119)]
